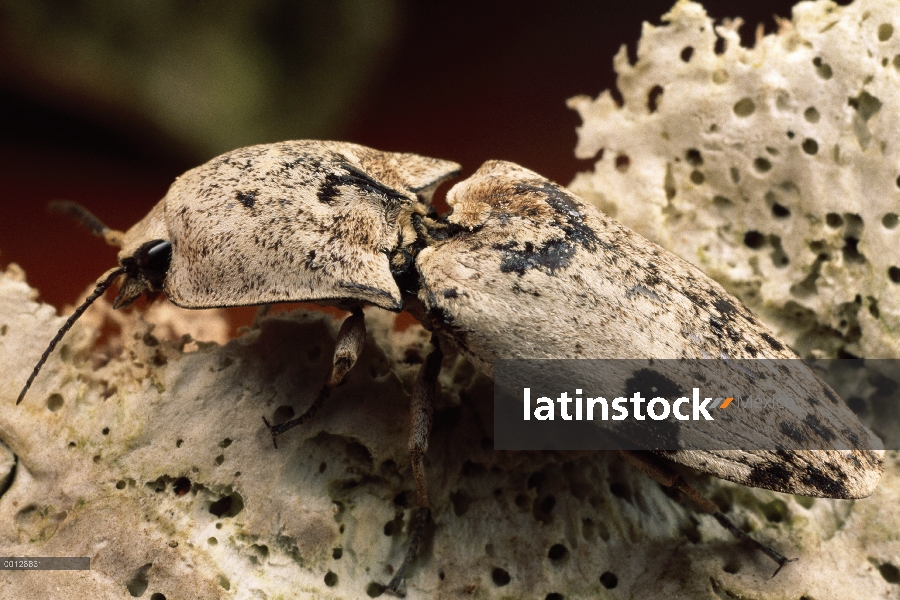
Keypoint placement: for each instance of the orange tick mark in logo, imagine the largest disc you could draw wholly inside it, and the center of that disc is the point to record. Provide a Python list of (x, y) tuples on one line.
[(726, 403)]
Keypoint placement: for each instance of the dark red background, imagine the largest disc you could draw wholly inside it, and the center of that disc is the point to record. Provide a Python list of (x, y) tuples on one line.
[(467, 81)]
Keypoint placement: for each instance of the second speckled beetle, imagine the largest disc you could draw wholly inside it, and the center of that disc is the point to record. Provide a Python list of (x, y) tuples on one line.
[(521, 268)]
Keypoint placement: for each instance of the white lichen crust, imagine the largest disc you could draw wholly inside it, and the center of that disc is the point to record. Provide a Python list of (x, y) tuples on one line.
[(773, 168), (155, 462)]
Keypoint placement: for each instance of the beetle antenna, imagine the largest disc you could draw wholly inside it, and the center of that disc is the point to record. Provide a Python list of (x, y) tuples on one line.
[(105, 281), (87, 219)]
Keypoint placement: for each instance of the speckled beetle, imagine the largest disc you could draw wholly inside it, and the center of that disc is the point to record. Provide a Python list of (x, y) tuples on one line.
[(521, 268)]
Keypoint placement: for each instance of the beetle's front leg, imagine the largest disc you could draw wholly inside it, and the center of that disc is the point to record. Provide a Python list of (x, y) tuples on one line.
[(350, 342), (421, 418)]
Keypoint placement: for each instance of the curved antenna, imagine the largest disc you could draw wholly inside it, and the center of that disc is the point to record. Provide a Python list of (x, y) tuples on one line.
[(103, 284), (87, 219)]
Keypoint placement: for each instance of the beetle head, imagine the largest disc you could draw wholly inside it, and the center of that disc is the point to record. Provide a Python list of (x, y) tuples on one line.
[(145, 271)]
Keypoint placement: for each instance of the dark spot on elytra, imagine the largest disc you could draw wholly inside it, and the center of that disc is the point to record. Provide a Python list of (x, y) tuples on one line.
[(695, 299), (724, 306), (775, 344), (831, 395), (813, 422), (791, 430), (770, 475), (569, 212), (551, 256), (451, 294), (248, 199), (751, 350), (328, 189), (832, 487)]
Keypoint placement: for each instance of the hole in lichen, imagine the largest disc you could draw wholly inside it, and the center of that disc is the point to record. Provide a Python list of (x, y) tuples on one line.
[(823, 69), (609, 580), (772, 151), (331, 579), (731, 567), (138, 583), (212, 541), (744, 107), (694, 157), (557, 552), (223, 581), (889, 220), (885, 31), (851, 250), (225, 443), (337, 553), (55, 402), (105, 431), (500, 577), (622, 163), (72, 445), (220, 459), (697, 177), (811, 114), (721, 202), (374, 589), (834, 220), (778, 255), (754, 240), (782, 212), (721, 45), (120, 485), (894, 274), (873, 307), (735, 175), (686, 53), (720, 76), (461, 502), (157, 596), (179, 443), (227, 506), (790, 135), (810, 146), (554, 596), (763, 165), (181, 486), (865, 104), (653, 97), (890, 573)]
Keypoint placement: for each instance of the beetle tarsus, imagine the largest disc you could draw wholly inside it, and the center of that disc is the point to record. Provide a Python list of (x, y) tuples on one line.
[(421, 418), (420, 520), (350, 342)]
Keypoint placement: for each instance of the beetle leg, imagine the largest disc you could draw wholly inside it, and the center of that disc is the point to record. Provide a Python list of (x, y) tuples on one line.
[(350, 342), (668, 477), (421, 417)]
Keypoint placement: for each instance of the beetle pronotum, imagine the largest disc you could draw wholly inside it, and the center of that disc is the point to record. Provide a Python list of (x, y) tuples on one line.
[(345, 225)]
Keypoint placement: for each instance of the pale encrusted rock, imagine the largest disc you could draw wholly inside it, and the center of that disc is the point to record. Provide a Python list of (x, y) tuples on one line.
[(773, 168)]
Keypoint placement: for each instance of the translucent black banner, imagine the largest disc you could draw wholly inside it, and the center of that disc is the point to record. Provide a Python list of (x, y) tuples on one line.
[(45, 563), (748, 405)]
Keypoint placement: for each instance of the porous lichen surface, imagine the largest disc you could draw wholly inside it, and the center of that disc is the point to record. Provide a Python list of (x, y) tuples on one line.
[(773, 168), (152, 459)]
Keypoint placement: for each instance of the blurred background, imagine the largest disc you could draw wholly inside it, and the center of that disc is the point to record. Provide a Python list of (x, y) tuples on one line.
[(105, 103)]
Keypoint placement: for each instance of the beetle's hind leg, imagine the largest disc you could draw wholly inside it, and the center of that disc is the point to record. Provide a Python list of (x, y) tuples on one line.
[(667, 476), (350, 342), (421, 418)]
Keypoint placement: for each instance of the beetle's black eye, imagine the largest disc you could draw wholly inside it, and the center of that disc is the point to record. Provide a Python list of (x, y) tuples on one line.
[(153, 259)]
